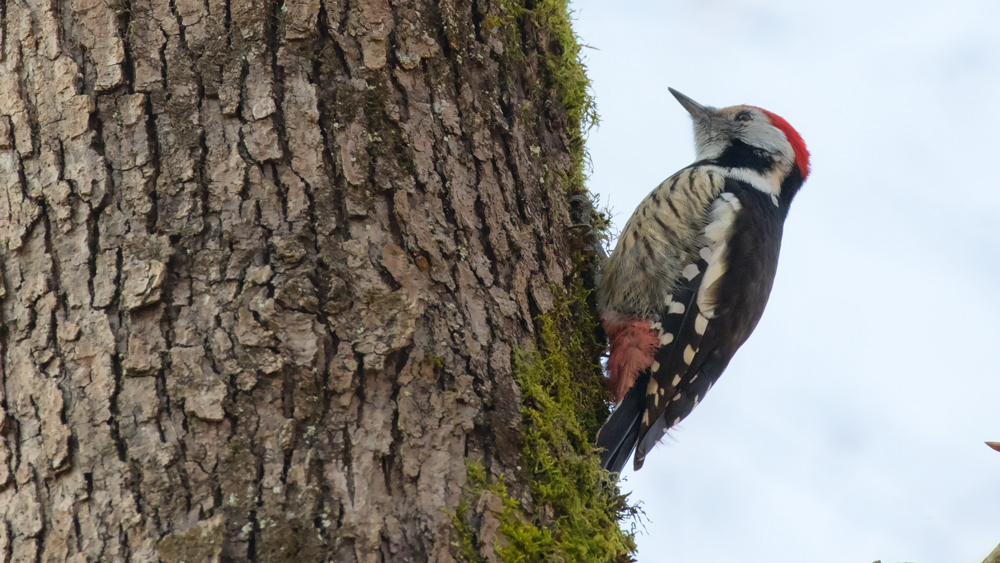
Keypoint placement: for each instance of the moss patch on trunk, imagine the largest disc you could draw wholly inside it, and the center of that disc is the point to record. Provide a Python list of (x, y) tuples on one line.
[(576, 507), (573, 509), (541, 32)]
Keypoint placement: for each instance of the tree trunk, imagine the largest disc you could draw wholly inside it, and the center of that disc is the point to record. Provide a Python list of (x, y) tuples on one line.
[(994, 556), (270, 271)]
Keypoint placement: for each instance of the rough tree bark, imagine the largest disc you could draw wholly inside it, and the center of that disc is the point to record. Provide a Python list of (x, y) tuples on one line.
[(265, 268)]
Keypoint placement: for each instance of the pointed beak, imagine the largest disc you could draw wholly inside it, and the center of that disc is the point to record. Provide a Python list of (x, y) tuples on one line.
[(696, 110)]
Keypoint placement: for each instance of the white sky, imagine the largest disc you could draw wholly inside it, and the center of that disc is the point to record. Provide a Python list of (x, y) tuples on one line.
[(850, 426)]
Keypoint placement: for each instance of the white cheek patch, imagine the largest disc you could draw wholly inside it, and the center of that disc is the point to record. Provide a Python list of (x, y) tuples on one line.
[(763, 134), (707, 145)]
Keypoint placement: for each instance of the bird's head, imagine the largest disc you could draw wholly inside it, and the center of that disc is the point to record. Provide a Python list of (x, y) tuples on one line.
[(746, 137)]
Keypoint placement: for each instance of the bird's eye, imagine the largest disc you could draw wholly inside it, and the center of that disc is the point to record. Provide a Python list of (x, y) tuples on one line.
[(744, 116)]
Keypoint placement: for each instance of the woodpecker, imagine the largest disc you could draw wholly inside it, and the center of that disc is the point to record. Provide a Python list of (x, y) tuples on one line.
[(692, 270)]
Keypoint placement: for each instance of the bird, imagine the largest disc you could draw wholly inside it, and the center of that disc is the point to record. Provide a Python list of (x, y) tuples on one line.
[(692, 270)]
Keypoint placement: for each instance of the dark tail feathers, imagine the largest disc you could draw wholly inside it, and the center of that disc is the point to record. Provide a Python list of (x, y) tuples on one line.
[(620, 433)]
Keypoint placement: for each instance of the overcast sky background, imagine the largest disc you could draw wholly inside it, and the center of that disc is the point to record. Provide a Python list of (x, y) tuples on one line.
[(850, 426)]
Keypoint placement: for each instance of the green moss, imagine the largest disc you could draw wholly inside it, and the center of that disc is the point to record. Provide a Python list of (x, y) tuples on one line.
[(436, 361), (505, 21), (562, 70), (281, 541), (567, 74), (576, 508)]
